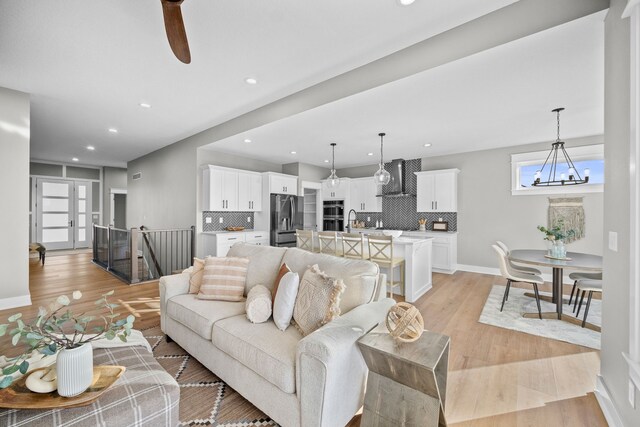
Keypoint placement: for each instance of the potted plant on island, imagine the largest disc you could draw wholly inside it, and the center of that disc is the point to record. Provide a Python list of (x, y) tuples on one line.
[(58, 330), (557, 236)]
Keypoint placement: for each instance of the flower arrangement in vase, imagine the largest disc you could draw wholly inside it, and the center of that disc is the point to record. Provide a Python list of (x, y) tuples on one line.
[(556, 235), (59, 331)]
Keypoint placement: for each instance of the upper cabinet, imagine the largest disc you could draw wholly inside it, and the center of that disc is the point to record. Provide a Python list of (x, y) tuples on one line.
[(226, 189), (341, 192), (282, 184), (438, 191), (363, 195)]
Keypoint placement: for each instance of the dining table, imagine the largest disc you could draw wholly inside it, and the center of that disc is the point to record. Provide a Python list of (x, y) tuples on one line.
[(573, 261)]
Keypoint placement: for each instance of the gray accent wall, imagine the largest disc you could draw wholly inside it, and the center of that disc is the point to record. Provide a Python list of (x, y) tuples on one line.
[(616, 287), (14, 174), (112, 178)]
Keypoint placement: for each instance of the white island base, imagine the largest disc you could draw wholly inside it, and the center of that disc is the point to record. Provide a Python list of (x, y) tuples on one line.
[(417, 265)]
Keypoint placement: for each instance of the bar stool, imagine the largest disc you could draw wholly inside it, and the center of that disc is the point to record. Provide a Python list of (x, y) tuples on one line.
[(591, 286), (578, 275), (304, 240), (328, 242), (353, 245), (381, 252), (516, 267)]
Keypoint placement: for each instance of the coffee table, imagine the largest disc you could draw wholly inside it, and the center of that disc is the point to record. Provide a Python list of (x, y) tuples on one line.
[(145, 395)]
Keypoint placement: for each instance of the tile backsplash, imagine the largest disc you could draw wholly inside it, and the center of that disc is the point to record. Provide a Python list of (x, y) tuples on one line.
[(399, 213), (229, 219)]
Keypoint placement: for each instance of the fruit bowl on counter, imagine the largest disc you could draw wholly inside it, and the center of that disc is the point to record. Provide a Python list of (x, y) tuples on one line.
[(234, 228), (393, 233)]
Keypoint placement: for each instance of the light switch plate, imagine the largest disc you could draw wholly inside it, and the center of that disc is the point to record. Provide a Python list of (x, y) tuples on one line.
[(221, 220), (248, 219), (368, 218), (613, 241), (208, 220)]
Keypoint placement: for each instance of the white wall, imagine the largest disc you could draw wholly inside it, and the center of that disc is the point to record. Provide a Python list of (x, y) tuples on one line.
[(111, 178), (14, 185)]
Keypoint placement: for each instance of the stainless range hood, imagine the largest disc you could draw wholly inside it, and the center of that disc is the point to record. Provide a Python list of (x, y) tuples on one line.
[(397, 185)]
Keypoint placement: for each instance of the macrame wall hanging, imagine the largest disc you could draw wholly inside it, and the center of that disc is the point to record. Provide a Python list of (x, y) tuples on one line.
[(568, 212)]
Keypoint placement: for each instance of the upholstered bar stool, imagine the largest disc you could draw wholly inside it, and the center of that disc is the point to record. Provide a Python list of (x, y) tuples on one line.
[(353, 245), (328, 242), (591, 286), (517, 267), (304, 240), (578, 275), (381, 252)]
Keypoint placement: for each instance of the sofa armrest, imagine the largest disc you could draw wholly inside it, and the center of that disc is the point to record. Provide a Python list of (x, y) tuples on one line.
[(330, 371), (170, 286), (381, 288)]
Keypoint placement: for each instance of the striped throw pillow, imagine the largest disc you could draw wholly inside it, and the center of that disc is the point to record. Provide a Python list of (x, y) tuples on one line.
[(224, 279)]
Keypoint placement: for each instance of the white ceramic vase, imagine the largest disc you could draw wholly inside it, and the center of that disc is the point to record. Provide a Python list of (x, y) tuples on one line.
[(75, 370)]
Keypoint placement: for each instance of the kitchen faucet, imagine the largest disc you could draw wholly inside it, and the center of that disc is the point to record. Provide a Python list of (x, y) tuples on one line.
[(349, 219)]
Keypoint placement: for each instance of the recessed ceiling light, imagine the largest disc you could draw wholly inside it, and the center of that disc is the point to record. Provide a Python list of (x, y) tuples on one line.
[(247, 140), (90, 147), (427, 145), (405, 2), (75, 159), (113, 130), (326, 161), (251, 81), (293, 152), (369, 154), (145, 105)]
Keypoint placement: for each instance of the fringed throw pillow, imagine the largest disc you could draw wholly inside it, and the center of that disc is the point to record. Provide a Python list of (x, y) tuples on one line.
[(224, 279), (318, 301), (195, 278)]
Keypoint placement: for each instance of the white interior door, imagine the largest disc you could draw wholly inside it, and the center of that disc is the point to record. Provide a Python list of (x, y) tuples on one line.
[(54, 213)]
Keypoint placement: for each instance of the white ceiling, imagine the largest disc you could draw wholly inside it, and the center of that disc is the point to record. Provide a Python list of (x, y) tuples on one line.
[(89, 64), (497, 98)]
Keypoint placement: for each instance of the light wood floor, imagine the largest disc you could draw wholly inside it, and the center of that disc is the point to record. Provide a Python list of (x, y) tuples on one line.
[(497, 377)]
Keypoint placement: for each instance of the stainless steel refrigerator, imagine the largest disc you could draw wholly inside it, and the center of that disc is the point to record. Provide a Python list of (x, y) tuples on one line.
[(287, 216)]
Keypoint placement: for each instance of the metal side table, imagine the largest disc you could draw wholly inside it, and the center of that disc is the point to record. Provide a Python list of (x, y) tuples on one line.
[(407, 381)]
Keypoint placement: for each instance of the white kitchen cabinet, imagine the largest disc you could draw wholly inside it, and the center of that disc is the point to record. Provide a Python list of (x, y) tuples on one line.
[(339, 193), (437, 191), (220, 189), (249, 192), (444, 254), (217, 244), (363, 195), (283, 184)]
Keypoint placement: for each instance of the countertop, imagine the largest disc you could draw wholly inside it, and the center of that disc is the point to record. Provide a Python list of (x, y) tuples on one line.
[(231, 232), (428, 233)]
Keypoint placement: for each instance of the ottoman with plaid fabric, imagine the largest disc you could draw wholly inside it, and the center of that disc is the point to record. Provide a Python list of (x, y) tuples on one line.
[(145, 395)]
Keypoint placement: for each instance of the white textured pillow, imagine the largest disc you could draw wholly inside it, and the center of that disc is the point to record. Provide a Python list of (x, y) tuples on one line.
[(258, 305), (285, 300)]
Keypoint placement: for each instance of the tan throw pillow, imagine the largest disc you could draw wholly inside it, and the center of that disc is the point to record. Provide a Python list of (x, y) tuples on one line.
[(224, 279), (284, 269), (195, 279), (318, 300)]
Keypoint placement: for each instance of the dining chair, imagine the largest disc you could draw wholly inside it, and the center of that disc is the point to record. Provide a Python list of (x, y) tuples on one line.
[(591, 286), (328, 242), (304, 240), (577, 275), (381, 252), (353, 245), (515, 276), (517, 267)]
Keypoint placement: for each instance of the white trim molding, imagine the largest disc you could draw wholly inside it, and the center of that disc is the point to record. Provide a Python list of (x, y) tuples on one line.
[(14, 302), (631, 8), (606, 404)]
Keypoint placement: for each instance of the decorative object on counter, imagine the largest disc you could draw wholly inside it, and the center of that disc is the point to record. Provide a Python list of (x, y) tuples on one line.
[(557, 235), (333, 181), (558, 156), (422, 224), (381, 177), (440, 226), (58, 331), (234, 228), (568, 213), (404, 322), (393, 233)]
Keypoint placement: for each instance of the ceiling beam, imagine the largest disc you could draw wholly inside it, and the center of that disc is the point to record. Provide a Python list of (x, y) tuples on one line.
[(513, 22)]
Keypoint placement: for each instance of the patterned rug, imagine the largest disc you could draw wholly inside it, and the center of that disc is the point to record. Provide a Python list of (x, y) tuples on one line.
[(205, 400), (511, 317)]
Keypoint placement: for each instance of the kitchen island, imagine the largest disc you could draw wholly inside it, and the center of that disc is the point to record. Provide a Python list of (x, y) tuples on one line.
[(417, 263)]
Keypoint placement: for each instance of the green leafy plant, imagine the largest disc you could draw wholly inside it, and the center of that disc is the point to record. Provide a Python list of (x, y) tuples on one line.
[(58, 328), (557, 232)]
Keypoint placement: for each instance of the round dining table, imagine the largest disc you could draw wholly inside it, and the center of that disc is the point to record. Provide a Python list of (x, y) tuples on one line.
[(574, 261)]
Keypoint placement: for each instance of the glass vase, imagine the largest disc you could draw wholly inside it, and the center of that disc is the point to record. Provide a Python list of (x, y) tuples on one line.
[(558, 250)]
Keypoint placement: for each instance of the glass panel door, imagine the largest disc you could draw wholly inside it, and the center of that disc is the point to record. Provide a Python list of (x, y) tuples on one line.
[(54, 220), (82, 223)]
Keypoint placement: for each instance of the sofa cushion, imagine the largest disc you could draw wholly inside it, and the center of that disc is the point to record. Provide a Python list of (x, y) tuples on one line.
[(200, 315), (359, 276), (260, 347), (264, 263)]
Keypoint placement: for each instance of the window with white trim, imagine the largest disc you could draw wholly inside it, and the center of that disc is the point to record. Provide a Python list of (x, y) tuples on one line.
[(525, 165)]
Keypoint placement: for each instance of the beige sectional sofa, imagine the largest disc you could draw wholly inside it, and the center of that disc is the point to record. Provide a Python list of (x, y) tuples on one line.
[(318, 380)]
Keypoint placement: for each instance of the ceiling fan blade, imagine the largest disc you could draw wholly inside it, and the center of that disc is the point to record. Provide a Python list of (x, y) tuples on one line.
[(176, 33)]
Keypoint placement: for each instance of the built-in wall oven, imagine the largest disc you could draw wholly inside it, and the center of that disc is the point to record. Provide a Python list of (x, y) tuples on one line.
[(333, 215)]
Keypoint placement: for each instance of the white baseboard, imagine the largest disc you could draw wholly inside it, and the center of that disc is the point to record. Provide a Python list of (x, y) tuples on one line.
[(606, 403), (496, 272), (13, 302)]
